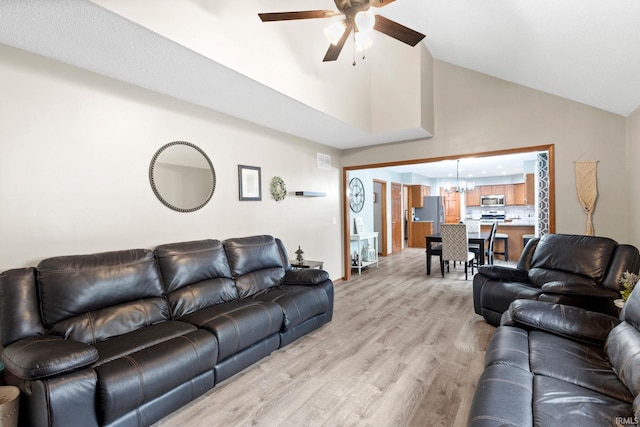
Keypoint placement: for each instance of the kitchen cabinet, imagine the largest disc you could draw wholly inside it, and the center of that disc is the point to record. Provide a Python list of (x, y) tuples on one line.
[(520, 194), (510, 194), (418, 193), (514, 194), (530, 197), (486, 190), (472, 198), (419, 230), (497, 189), (492, 190)]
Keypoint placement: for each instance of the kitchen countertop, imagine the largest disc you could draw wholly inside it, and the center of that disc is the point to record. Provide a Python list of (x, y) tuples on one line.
[(515, 222)]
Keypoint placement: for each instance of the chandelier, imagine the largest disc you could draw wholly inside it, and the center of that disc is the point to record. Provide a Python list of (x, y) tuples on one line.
[(461, 185)]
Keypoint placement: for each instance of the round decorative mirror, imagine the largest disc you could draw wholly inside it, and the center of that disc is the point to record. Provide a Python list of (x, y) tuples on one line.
[(182, 176)]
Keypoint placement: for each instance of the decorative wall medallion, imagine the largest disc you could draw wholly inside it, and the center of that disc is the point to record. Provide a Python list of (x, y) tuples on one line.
[(278, 188)]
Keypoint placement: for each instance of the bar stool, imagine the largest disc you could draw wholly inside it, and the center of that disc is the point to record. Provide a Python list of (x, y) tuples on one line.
[(505, 241), (526, 238)]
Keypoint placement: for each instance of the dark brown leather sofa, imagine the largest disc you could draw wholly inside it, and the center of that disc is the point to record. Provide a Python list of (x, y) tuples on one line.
[(124, 338), (557, 365), (582, 271)]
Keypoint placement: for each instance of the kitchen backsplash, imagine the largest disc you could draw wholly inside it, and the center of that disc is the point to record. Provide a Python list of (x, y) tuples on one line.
[(520, 214)]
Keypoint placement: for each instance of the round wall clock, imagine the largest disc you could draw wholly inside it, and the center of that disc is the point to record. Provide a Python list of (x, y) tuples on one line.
[(356, 190)]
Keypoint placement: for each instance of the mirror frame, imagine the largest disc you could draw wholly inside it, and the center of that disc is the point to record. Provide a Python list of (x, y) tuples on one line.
[(156, 191)]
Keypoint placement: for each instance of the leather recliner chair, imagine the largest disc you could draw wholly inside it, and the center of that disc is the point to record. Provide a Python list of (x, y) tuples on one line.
[(567, 269)]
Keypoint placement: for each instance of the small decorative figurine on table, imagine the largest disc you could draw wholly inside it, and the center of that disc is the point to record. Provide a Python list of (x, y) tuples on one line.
[(299, 257)]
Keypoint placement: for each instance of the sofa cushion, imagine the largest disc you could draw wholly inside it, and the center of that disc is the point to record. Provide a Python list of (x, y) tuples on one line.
[(497, 297), (99, 325), (132, 379), (503, 398), (623, 347), (43, 356), (141, 339), (256, 263), (19, 309), (624, 353), (298, 302), (582, 364), (580, 259), (71, 286), (508, 346), (238, 324), (196, 275), (560, 403)]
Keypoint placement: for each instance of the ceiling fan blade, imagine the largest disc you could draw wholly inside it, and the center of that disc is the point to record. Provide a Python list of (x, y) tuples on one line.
[(380, 3), (334, 50), (306, 14), (397, 31)]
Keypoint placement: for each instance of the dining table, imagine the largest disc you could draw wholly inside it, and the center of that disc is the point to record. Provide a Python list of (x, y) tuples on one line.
[(478, 238)]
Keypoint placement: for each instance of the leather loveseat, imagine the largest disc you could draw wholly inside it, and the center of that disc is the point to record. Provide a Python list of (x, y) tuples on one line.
[(124, 338), (582, 271), (557, 365)]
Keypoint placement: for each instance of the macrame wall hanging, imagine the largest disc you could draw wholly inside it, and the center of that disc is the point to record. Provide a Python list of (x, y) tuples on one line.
[(587, 187)]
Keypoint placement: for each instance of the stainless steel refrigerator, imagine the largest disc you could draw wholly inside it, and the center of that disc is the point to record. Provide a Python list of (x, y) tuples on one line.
[(432, 210)]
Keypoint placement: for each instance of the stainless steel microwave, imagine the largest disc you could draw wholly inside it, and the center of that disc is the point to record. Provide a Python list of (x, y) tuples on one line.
[(492, 200)]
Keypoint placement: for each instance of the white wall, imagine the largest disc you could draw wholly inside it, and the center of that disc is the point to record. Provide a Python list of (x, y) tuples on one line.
[(633, 175), (75, 150), (475, 113)]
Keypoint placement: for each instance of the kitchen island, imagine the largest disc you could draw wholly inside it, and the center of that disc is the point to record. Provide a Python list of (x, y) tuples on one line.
[(515, 230)]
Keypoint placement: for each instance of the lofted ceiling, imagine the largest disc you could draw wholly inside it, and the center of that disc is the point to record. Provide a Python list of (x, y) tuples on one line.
[(582, 50)]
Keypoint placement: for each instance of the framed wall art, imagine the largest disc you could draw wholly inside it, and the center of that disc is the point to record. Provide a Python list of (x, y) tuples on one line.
[(249, 183)]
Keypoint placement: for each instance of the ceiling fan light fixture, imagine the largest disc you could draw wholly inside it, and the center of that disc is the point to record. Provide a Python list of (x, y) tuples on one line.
[(365, 21), (363, 40), (335, 31)]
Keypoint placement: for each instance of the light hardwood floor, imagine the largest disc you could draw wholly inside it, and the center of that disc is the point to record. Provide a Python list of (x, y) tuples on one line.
[(403, 349)]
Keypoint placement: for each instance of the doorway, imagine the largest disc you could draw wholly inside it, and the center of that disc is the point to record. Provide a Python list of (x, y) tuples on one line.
[(547, 182), (397, 219), (380, 214)]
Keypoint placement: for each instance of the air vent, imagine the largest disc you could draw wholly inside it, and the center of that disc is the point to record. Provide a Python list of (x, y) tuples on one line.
[(324, 161)]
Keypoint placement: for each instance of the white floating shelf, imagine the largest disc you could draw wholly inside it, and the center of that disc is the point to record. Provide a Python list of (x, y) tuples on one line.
[(310, 194)]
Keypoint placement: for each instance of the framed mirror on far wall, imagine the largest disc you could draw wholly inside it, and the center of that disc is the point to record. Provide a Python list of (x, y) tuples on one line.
[(182, 176)]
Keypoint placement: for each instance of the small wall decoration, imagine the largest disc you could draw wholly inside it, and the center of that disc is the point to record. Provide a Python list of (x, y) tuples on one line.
[(278, 188), (356, 195), (249, 183), (359, 225), (587, 187)]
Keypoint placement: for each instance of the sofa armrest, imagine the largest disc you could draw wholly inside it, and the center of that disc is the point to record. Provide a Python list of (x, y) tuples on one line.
[(580, 289), (501, 272), (39, 357), (306, 276), (563, 320)]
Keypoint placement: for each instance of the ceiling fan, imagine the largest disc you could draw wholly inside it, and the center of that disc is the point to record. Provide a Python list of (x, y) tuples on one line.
[(357, 19)]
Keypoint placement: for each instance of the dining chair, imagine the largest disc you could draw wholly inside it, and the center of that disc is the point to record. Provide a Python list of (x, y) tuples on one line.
[(492, 238), (488, 253), (455, 247), (473, 226)]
